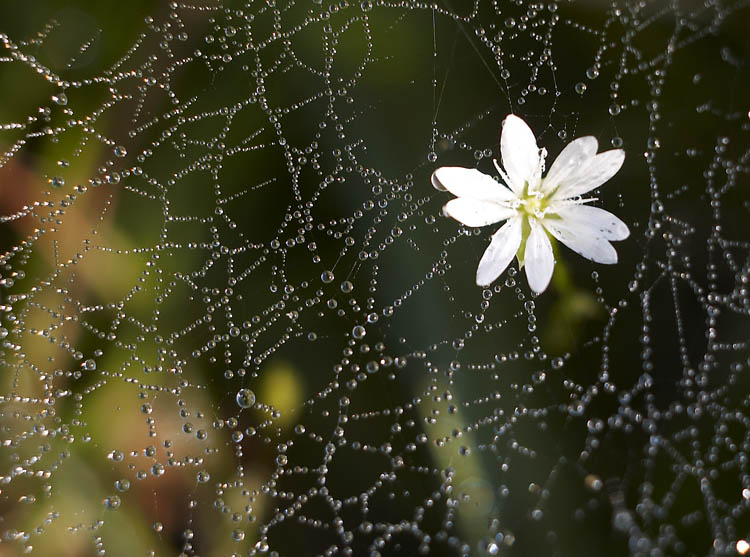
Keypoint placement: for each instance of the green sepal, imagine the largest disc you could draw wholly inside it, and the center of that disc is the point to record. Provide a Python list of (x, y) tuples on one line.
[(525, 232)]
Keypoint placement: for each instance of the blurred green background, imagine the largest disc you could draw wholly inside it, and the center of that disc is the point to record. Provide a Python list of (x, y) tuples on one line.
[(204, 202)]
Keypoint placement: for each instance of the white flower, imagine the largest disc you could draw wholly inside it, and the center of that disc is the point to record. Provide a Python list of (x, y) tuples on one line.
[(534, 207)]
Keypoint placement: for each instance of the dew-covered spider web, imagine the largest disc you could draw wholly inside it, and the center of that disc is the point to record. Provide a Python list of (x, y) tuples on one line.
[(234, 321)]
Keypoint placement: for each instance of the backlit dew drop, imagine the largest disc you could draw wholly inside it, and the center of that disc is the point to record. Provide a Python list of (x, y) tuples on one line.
[(234, 320), (347, 287), (112, 502), (245, 398), (57, 182)]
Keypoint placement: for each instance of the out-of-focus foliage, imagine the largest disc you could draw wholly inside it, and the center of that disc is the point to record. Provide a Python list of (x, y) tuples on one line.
[(233, 320)]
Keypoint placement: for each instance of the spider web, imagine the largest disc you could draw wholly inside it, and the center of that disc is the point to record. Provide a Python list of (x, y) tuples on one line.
[(234, 322)]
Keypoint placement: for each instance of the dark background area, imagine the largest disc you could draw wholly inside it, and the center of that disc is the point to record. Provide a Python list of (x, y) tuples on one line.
[(234, 320)]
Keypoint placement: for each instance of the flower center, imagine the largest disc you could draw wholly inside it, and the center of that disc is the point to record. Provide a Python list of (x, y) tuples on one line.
[(533, 204)]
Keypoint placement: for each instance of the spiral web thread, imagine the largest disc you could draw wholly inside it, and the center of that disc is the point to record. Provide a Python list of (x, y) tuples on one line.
[(234, 321)]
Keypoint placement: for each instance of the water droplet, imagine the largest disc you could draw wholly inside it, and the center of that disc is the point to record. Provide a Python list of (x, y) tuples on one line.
[(622, 520), (245, 398), (112, 502), (593, 482)]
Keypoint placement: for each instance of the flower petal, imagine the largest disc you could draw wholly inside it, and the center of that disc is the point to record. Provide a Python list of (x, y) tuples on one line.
[(519, 152), (598, 221), (599, 170), (538, 258), (582, 239), (500, 252), (469, 182), (476, 212), (571, 160)]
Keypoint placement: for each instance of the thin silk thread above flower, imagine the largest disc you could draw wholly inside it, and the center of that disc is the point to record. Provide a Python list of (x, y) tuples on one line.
[(534, 207)]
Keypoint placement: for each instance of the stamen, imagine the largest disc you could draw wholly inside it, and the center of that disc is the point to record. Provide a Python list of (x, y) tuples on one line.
[(542, 157), (582, 200), (502, 173), (536, 178), (562, 203)]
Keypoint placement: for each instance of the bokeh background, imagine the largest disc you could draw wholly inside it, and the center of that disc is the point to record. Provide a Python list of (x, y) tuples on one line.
[(234, 320)]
